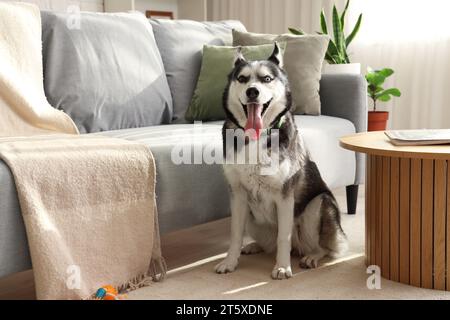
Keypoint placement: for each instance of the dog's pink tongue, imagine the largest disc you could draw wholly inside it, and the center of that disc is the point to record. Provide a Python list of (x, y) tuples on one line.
[(254, 121)]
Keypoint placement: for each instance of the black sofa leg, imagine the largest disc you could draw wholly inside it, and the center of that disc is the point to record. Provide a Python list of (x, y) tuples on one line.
[(352, 199)]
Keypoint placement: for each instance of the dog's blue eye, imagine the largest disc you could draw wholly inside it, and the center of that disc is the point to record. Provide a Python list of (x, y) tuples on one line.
[(267, 79)]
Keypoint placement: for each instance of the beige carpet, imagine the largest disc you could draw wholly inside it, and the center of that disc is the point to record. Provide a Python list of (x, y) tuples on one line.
[(342, 279)]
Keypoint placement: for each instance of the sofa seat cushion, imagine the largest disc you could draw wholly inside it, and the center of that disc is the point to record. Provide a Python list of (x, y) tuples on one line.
[(189, 194), (321, 135), (14, 253)]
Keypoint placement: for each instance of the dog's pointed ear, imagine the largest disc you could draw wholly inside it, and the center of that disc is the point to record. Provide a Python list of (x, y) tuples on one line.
[(276, 56), (239, 57)]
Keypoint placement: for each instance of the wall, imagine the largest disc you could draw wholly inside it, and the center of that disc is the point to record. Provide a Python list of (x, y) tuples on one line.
[(192, 9), (62, 5), (97, 5), (118, 5)]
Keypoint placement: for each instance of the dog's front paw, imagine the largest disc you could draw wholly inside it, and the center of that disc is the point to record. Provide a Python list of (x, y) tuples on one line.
[(226, 266), (281, 273)]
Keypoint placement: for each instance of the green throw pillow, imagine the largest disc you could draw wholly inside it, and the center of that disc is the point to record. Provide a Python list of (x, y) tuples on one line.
[(206, 104)]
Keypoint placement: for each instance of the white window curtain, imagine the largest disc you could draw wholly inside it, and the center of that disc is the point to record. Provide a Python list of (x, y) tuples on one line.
[(410, 36), (271, 16)]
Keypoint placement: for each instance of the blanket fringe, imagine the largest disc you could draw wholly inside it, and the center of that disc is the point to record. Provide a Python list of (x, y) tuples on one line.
[(156, 273)]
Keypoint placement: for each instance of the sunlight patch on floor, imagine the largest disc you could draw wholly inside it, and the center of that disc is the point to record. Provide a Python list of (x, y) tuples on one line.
[(343, 259), (325, 265), (246, 288), (197, 264)]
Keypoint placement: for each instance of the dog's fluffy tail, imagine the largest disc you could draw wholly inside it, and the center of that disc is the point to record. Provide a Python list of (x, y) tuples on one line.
[(340, 246)]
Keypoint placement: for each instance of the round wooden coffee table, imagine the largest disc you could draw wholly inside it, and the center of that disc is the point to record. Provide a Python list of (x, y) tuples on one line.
[(407, 210)]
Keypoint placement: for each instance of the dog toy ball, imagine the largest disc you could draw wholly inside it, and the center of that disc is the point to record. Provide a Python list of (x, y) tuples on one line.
[(111, 290), (107, 293), (101, 293)]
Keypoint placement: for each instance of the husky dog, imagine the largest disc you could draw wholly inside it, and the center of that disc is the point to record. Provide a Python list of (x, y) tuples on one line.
[(292, 209)]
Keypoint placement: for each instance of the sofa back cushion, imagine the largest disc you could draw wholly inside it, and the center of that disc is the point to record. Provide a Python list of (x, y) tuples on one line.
[(181, 43), (105, 71)]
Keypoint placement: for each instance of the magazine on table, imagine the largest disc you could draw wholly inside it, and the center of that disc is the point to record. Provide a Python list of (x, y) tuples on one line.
[(419, 137)]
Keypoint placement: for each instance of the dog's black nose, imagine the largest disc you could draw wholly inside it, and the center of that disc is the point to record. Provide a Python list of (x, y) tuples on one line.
[(252, 93)]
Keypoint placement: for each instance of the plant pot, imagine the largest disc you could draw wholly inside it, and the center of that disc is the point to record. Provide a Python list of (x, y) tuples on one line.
[(349, 68), (378, 120)]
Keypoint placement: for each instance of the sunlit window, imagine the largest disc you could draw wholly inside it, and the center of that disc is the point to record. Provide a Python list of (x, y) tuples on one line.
[(402, 20)]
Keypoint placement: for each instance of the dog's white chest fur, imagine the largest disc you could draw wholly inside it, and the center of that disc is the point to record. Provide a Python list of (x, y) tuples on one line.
[(262, 190)]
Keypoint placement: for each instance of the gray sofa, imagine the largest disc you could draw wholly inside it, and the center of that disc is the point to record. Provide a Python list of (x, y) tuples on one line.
[(188, 195)]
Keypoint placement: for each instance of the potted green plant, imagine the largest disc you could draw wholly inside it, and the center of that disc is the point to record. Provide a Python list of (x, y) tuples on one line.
[(337, 55), (376, 92)]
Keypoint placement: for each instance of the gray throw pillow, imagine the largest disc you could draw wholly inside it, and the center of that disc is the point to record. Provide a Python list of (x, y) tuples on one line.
[(108, 73), (181, 43), (303, 61)]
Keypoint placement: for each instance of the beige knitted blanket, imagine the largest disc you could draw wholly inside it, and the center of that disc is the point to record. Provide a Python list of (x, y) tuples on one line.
[(88, 205), (88, 202)]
